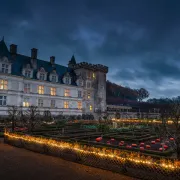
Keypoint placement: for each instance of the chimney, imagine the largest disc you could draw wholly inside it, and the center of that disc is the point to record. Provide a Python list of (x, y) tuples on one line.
[(52, 60), (34, 53), (13, 49)]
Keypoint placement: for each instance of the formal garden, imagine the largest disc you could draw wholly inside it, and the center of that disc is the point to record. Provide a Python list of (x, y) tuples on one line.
[(139, 149)]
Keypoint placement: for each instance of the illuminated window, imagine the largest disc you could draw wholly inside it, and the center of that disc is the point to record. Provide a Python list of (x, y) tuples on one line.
[(53, 79), (66, 92), (26, 102), (79, 94), (88, 95), (53, 103), (79, 105), (53, 91), (26, 88), (41, 89), (42, 76), (3, 84), (66, 104), (27, 73), (94, 76), (3, 100), (40, 102), (5, 68), (90, 108)]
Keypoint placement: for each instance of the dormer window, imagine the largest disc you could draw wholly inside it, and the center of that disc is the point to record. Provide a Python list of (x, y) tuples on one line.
[(41, 76), (5, 68), (67, 80), (53, 79), (28, 73)]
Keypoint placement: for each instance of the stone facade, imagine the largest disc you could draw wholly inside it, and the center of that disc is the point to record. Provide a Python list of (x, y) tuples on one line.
[(73, 90)]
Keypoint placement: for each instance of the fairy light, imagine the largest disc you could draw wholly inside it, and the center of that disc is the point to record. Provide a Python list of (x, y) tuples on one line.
[(132, 157)]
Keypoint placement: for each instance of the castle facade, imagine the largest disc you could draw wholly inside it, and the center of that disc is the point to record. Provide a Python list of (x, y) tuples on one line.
[(79, 88)]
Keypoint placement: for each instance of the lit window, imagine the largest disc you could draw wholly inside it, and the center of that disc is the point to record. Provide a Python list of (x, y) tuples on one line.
[(88, 84), (94, 76), (53, 103), (5, 68), (40, 102), (28, 73), (79, 105), (41, 89), (66, 92), (3, 84), (53, 91), (67, 80), (90, 107), (88, 95), (79, 94), (53, 79), (3, 100), (66, 104), (27, 88), (42, 76), (26, 102)]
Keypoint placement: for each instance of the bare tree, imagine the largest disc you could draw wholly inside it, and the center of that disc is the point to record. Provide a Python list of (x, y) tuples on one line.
[(33, 117), (171, 112), (13, 112)]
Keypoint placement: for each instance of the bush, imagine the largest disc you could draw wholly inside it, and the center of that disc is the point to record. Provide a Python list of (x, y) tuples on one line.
[(79, 117)]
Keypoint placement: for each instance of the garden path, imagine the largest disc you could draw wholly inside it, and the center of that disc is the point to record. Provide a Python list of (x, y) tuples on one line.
[(16, 163)]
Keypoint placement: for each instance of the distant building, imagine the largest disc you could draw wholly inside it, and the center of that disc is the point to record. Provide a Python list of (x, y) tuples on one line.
[(73, 90)]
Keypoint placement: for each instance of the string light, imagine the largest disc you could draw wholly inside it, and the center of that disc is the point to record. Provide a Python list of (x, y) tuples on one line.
[(105, 153)]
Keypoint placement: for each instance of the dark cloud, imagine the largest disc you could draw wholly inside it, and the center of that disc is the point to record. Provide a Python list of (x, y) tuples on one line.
[(139, 40)]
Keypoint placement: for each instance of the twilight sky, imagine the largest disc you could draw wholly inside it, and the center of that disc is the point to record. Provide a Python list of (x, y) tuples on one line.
[(139, 40)]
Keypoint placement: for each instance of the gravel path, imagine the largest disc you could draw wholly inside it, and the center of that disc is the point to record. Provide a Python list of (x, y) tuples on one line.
[(21, 164)]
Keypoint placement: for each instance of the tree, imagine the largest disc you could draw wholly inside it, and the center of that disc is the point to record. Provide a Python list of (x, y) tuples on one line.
[(142, 94), (33, 117), (13, 112), (172, 112)]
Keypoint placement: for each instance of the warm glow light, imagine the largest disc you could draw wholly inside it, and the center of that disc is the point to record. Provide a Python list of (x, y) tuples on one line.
[(3, 84), (107, 153), (41, 89), (66, 92), (66, 104), (53, 91)]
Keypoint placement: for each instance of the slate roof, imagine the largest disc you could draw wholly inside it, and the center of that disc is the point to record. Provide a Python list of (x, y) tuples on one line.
[(20, 61)]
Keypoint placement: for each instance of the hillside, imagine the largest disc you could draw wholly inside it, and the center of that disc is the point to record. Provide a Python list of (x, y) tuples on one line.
[(117, 94)]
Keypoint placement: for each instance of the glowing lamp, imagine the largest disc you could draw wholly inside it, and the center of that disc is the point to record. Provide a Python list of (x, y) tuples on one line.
[(141, 148), (160, 149), (172, 139), (98, 139), (134, 145), (153, 142), (148, 146)]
